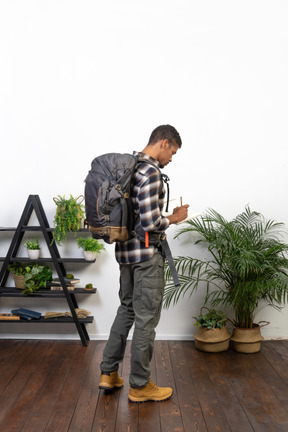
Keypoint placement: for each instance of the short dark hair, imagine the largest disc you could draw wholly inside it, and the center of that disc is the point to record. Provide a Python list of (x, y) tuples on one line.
[(165, 132)]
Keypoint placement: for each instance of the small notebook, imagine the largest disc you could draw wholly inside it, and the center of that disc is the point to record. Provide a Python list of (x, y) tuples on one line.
[(26, 313)]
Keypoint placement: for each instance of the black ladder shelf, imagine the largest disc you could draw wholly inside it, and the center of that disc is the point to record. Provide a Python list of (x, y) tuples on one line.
[(34, 203)]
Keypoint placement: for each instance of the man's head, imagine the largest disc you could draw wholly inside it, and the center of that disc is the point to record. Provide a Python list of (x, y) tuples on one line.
[(165, 132), (163, 144)]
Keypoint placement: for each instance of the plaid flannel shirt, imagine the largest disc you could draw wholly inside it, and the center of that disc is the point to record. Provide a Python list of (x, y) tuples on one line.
[(147, 194)]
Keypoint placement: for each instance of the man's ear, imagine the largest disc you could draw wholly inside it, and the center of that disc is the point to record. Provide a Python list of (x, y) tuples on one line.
[(164, 144)]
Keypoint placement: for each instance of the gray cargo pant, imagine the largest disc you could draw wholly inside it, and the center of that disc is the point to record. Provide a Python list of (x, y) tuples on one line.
[(141, 294)]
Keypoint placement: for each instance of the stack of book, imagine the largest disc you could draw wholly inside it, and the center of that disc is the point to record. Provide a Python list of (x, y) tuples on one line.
[(56, 285)]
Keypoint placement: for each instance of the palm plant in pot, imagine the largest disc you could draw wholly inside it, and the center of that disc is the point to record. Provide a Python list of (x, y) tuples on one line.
[(246, 268), (90, 247)]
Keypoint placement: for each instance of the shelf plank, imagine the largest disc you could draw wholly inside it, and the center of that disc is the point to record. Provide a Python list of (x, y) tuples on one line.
[(39, 228), (43, 260), (15, 292), (43, 320)]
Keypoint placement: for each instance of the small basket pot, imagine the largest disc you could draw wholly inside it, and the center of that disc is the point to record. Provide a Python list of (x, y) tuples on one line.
[(19, 281), (212, 340), (248, 340)]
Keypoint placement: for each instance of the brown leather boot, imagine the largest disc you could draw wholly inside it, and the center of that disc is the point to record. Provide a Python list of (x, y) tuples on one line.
[(110, 381), (150, 392)]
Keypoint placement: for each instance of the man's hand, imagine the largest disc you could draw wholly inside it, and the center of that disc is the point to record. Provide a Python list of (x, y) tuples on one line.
[(179, 214)]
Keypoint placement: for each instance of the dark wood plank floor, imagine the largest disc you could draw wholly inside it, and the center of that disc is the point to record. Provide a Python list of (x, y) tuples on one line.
[(53, 386)]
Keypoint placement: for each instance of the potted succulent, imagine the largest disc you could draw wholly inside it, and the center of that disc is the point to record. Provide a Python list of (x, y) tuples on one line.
[(212, 334), (68, 217), (33, 248), (90, 247), (34, 276), (89, 287), (246, 267)]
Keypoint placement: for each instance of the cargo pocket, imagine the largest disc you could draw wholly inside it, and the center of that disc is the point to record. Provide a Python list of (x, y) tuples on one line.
[(152, 288)]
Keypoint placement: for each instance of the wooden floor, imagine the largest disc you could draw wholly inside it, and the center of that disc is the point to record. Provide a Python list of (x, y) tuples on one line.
[(53, 386)]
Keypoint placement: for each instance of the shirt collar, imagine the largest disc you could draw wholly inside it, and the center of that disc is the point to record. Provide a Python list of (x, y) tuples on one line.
[(146, 156)]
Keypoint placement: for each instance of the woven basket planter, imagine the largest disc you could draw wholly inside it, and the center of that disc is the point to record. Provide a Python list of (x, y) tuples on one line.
[(247, 340), (214, 340), (19, 281)]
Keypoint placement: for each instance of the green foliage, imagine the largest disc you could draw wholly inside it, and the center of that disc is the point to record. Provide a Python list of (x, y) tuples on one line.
[(89, 286), (35, 276), (212, 319), (90, 244), (32, 244), (17, 268), (246, 267), (69, 213)]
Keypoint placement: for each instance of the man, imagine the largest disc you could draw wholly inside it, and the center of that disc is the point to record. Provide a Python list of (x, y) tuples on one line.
[(142, 273)]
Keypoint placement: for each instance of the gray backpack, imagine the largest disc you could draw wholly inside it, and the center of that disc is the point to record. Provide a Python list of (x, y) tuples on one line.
[(107, 196)]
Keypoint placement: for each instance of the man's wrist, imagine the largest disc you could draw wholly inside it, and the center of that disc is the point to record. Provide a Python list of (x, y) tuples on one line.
[(172, 219)]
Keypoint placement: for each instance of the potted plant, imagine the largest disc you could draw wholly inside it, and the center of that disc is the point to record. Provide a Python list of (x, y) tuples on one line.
[(18, 271), (212, 334), (246, 268), (89, 287), (35, 276), (33, 248), (90, 247), (68, 217)]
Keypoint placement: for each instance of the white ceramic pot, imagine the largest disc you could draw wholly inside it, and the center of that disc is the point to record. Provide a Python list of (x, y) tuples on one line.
[(33, 253), (89, 256)]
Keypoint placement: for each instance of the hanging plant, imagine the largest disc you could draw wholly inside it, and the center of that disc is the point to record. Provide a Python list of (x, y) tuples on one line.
[(69, 213)]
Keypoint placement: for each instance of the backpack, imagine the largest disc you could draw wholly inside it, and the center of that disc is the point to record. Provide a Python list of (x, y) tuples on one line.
[(107, 196)]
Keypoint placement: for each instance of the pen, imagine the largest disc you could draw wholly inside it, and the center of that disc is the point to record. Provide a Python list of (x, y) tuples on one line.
[(181, 201)]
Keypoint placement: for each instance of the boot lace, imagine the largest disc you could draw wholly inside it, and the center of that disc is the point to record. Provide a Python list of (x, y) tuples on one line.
[(153, 385)]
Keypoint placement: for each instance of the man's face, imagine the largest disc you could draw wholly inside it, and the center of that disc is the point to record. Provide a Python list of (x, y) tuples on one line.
[(167, 152)]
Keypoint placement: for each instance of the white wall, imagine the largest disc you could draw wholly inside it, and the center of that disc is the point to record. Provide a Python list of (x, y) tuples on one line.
[(79, 78)]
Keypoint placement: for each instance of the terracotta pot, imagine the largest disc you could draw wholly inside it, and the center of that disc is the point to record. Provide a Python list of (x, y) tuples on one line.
[(214, 340)]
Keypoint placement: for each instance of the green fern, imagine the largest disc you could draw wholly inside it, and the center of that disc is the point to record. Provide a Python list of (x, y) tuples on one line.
[(69, 213)]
